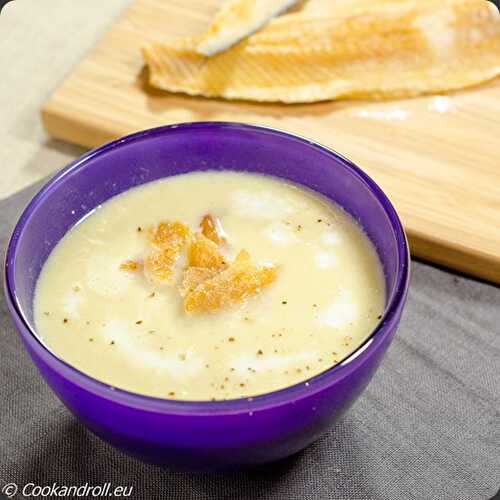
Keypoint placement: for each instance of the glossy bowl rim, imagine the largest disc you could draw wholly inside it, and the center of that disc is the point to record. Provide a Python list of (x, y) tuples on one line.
[(289, 394)]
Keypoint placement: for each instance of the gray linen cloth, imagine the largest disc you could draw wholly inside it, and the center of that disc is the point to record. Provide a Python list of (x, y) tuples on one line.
[(428, 426)]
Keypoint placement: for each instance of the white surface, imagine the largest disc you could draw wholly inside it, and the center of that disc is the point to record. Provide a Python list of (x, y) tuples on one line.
[(40, 41)]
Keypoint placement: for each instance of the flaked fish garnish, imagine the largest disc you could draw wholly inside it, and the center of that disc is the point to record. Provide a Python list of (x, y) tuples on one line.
[(211, 228), (194, 276), (130, 265), (241, 279), (209, 282), (203, 252), (166, 241)]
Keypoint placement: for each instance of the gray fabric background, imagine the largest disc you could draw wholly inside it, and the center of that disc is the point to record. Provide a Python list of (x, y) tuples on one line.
[(428, 427)]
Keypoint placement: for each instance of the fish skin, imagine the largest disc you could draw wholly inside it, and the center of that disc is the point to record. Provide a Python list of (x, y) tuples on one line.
[(374, 50), (236, 20)]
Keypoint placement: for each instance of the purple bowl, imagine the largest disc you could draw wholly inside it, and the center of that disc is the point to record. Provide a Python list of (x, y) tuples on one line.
[(204, 435)]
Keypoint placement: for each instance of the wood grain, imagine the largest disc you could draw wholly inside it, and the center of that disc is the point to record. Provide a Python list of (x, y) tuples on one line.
[(438, 158)]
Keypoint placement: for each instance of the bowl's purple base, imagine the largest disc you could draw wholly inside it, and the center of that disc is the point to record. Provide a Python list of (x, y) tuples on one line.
[(205, 435), (230, 442)]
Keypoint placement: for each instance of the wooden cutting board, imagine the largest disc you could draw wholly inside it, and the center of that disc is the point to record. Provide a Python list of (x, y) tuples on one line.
[(438, 158)]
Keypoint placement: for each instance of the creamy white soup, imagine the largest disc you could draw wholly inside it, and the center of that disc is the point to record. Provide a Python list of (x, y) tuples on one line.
[(290, 285)]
